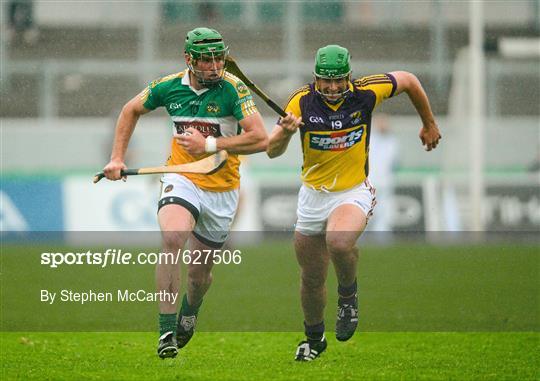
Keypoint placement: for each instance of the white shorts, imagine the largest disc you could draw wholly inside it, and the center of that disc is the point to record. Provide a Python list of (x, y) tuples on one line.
[(212, 211), (314, 207)]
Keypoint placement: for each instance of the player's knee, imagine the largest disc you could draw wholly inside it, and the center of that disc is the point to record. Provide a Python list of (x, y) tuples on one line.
[(338, 246), (173, 240)]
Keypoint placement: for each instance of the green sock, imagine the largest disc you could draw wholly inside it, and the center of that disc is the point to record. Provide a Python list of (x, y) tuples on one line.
[(167, 323), (188, 310)]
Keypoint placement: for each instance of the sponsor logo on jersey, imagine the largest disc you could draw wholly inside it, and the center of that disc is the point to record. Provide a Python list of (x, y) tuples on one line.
[(336, 141), (205, 128), (243, 100), (213, 108)]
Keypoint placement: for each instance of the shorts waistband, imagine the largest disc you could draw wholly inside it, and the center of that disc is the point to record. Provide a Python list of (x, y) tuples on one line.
[(310, 189)]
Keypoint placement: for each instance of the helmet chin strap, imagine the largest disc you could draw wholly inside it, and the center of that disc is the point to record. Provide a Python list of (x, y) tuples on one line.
[(200, 76), (205, 82), (340, 97)]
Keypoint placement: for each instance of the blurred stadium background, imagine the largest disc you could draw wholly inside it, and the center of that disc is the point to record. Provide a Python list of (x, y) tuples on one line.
[(67, 70)]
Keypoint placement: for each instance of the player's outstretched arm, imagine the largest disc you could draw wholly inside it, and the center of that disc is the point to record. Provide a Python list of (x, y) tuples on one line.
[(124, 129), (408, 83), (281, 135), (253, 139)]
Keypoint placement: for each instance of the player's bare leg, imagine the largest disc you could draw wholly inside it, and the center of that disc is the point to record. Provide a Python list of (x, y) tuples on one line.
[(176, 223), (313, 259), (199, 279), (199, 275), (344, 227)]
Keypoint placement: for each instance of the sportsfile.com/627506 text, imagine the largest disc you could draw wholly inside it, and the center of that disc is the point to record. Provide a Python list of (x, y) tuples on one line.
[(119, 257)]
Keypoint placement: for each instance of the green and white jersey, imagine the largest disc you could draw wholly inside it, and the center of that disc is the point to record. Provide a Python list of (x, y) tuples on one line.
[(213, 111)]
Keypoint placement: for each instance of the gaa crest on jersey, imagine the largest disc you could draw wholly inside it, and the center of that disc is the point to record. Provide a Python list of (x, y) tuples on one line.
[(213, 108), (336, 141), (356, 117)]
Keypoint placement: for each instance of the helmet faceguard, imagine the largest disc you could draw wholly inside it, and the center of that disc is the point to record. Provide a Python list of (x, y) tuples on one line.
[(332, 62), (203, 44)]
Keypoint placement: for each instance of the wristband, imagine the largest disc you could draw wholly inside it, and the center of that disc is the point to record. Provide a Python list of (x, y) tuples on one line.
[(210, 145)]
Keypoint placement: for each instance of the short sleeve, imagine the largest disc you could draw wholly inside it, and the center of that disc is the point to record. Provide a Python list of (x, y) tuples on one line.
[(244, 105), (293, 104), (382, 85), (150, 96)]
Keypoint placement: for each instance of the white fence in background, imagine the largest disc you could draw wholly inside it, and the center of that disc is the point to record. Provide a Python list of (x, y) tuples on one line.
[(74, 144)]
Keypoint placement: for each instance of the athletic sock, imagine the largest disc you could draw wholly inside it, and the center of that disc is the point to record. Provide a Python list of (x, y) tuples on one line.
[(188, 310), (347, 295), (167, 323), (314, 332)]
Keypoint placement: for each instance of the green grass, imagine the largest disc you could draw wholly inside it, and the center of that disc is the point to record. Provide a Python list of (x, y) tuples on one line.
[(403, 288), (427, 313), (268, 356)]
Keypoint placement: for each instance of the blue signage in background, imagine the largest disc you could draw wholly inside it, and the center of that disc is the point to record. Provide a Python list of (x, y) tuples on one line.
[(31, 205)]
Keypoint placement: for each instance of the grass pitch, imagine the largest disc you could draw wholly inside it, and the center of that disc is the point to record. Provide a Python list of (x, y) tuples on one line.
[(269, 356), (427, 313)]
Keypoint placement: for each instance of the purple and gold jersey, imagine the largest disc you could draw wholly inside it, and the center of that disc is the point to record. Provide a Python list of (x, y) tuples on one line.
[(335, 138)]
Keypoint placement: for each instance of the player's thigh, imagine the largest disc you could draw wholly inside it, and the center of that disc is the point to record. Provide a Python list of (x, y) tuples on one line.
[(175, 217), (312, 212), (178, 208), (217, 214), (311, 255), (349, 216), (345, 225), (176, 224)]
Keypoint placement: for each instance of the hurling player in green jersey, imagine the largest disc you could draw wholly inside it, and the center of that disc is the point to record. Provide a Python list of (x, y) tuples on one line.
[(336, 198), (210, 110)]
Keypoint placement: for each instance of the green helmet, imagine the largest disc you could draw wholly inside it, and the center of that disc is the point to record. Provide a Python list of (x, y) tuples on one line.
[(204, 41), (332, 61)]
